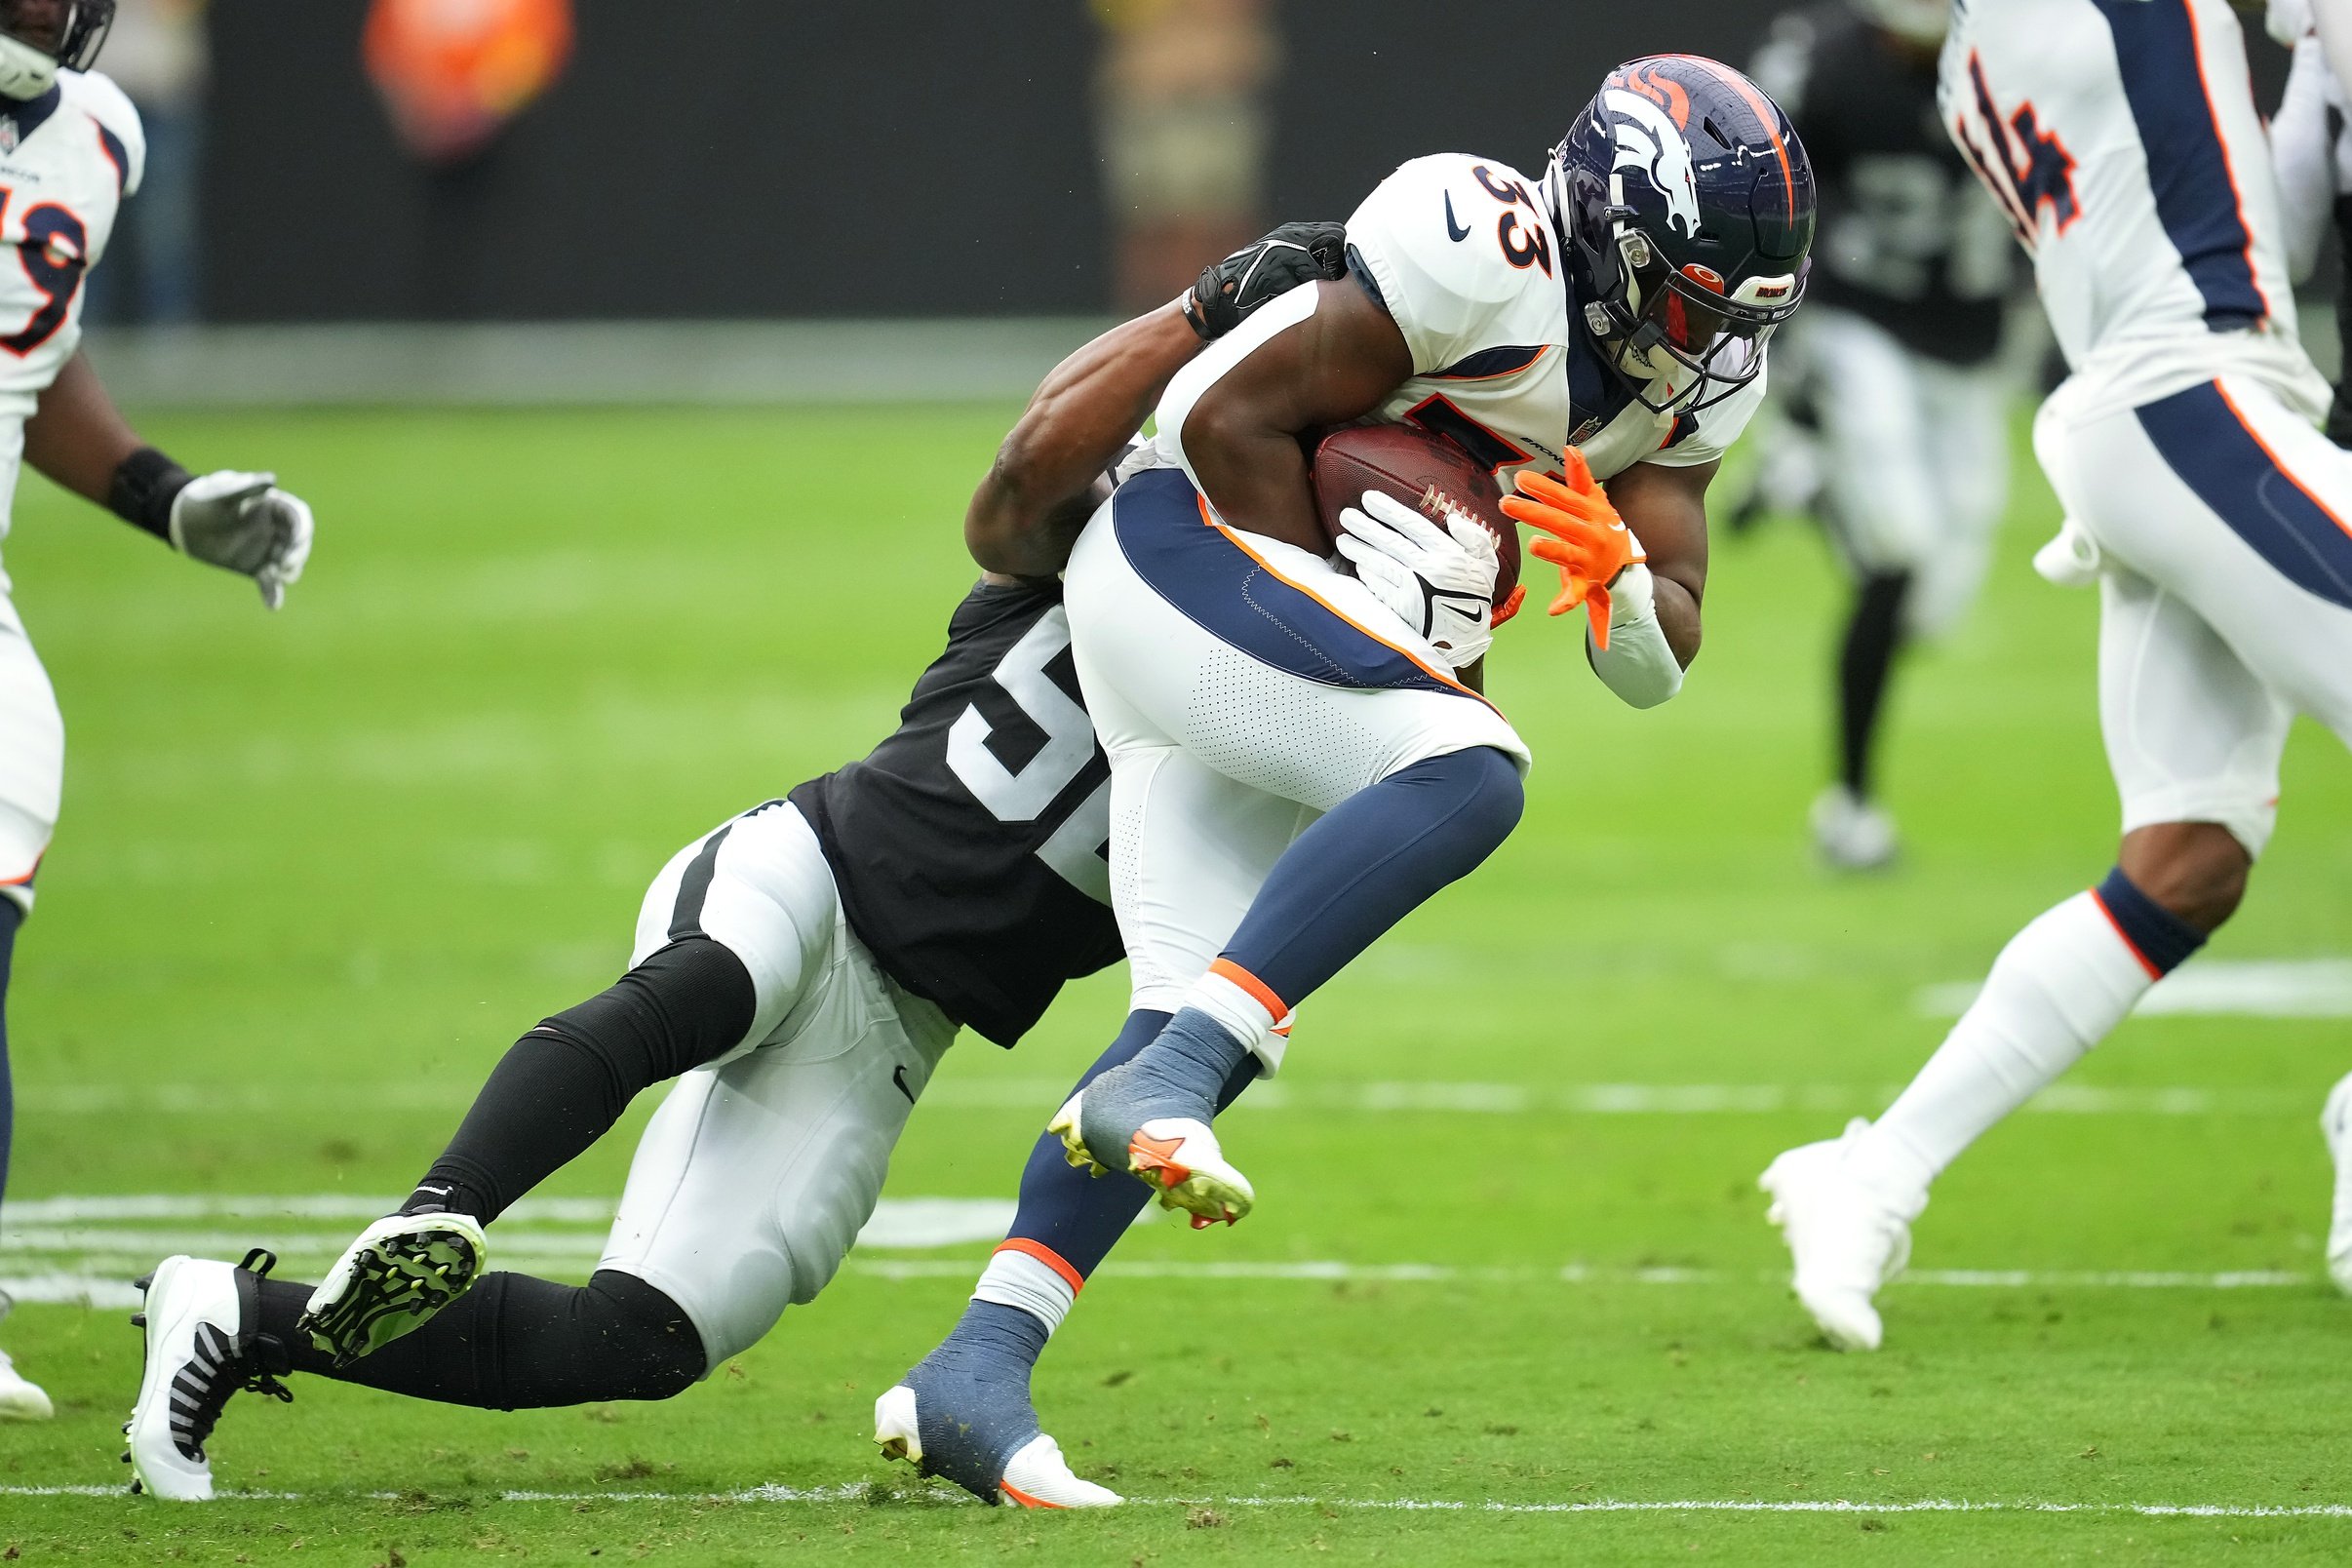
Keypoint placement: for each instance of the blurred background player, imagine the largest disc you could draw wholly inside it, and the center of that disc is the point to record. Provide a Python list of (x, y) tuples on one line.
[(799, 969), (1892, 383), (73, 139), (2122, 138), (1294, 767)]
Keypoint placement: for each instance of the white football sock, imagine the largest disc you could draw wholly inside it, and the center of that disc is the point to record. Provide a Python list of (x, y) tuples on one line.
[(2056, 990)]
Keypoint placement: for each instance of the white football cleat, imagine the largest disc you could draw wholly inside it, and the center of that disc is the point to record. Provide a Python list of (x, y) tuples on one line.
[(1180, 1155), (1035, 1476), (1851, 833), (21, 1398), (401, 1270), (1847, 1239), (202, 1324), (2335, 1124)]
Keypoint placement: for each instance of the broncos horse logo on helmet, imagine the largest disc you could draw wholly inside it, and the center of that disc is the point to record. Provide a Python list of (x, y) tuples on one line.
[(1686, 204), (38, 37)]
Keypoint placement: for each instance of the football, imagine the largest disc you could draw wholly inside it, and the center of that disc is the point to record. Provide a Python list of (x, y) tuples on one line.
[(1420, 469)]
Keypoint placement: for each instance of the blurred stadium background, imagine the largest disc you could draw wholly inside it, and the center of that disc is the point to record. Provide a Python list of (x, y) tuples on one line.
[(315, 872), (893, 199)]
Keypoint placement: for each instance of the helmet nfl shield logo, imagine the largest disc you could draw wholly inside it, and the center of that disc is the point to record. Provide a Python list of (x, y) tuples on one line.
[(1687, 204)]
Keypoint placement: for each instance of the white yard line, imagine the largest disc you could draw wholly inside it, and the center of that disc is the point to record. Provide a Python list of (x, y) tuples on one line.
[(859, 1492), (1377, 1098), (79, 1282)]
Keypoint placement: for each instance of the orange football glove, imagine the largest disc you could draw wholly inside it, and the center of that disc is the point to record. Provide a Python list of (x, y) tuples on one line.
[(1589, 541)]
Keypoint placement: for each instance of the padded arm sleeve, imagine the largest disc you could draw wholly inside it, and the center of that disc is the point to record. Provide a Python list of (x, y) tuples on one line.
[(1637, 665)]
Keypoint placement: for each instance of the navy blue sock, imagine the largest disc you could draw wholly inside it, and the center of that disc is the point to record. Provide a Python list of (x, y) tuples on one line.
[(2163, 940), (1371, 861), (1189, 1061), (11, 916), (972, 1396)]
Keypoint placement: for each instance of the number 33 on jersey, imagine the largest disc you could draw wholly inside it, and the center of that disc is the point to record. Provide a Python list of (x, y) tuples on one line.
[(67, 161)]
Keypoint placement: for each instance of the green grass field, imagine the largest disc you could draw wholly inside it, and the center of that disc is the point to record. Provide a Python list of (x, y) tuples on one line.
[(1509, 1294)]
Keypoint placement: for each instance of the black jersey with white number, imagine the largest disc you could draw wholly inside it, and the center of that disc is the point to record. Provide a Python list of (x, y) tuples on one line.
[(969, 846), (1906, 237)]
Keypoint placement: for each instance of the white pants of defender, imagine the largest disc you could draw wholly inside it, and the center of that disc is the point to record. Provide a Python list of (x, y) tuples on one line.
[(1217, 761), (1917, 459), (32, 757), (759, 1170), (2205, 651)]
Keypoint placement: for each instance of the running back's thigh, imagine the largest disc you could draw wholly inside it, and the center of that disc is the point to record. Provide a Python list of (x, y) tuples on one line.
[(758, 885), (32, 758), (2224, 496), (755, 1175), (1190, 847), (1262, 661)]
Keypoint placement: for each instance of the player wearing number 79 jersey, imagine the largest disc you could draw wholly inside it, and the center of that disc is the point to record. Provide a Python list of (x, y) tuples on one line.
[(71, 155)]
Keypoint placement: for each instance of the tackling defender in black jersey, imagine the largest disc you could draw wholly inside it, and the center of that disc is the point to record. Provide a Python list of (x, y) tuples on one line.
[(802, 966), (1892, 380)]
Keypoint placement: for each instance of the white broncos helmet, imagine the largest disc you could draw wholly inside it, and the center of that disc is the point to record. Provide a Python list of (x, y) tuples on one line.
[(1922, 21), (40, 37)]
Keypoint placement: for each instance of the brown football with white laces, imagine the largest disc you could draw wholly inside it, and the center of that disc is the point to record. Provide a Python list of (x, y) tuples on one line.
[(1426, 471)]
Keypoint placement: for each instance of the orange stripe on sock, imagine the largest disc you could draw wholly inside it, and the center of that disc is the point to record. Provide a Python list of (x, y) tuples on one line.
[(25, 880), (1048, 1257), (1277, 1010), (2154, 974)]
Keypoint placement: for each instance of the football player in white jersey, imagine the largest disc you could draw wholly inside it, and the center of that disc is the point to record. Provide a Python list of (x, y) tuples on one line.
[(70, 154), (1300, 757), (2121, 137)]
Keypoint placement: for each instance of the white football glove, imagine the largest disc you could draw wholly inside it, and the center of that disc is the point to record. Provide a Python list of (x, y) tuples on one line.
[(244, 523), (1439, 578)]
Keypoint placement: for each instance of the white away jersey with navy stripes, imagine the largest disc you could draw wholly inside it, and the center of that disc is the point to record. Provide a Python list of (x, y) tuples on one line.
[(67, 160), (2121, 137)]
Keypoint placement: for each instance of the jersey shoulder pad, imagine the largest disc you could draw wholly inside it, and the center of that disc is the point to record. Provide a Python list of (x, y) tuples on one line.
[(1430, 240), (97, 96), (1706, 436)]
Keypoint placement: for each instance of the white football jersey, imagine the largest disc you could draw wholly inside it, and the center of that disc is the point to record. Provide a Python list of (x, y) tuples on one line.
[(1464, 255), (67, 160), (2120, 138)]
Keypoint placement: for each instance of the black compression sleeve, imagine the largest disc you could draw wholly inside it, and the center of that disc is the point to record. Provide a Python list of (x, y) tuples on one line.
[(563, 1085), (517, 1343), (145, 485)]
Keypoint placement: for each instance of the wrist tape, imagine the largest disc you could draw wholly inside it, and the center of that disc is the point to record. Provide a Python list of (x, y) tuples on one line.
[(145, 485)]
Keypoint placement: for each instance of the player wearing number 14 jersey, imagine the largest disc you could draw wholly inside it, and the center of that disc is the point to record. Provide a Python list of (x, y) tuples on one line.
[(2121, 137), (71, 155)]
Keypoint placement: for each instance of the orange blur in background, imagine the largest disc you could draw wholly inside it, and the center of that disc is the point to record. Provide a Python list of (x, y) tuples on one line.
[(454, 72)]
